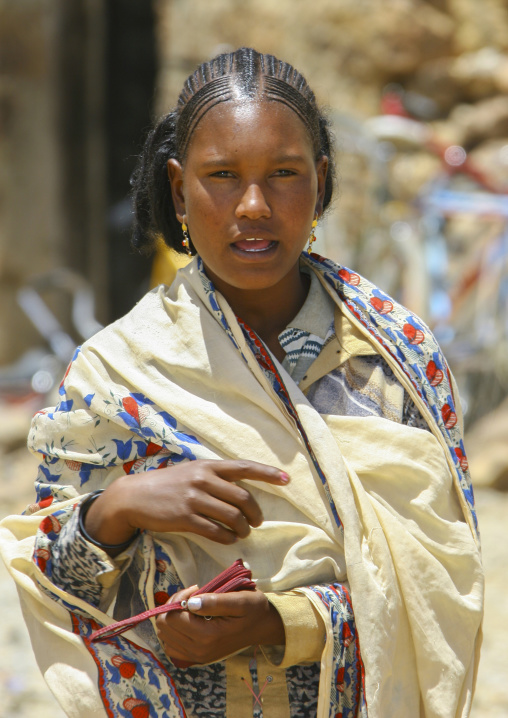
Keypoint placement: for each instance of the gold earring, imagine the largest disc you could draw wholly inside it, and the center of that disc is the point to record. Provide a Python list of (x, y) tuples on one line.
[(312, 237), (185, 240)]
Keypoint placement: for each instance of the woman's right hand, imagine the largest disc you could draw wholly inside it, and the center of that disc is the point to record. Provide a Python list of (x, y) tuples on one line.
[(199, 497)]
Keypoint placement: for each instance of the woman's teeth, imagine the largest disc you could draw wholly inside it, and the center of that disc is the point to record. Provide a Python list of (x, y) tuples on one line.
[(258, 247), (253, 244)]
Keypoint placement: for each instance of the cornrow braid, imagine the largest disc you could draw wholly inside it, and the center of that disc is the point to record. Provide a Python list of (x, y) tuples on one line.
[(216, 91), (243, 74), (278, 90)]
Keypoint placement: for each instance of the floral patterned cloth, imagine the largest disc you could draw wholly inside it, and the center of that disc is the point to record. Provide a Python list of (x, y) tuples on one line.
[(116, 418)]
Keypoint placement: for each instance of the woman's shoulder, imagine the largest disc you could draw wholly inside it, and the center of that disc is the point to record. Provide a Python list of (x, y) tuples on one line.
[(373, 309), (147, 316)]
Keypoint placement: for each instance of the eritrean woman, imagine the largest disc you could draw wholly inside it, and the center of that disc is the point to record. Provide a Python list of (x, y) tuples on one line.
[(269, 405)]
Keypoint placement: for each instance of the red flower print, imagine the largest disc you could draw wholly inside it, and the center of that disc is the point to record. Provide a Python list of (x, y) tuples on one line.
[(137, 707), (127, 668), (42, 556), (50, 524), (160, 598), (152, 449), (131, 407), (346, 635), (349, 277), (414, 335), (381, 306), (449, 416), (464, 465), (45, 502), (134, 464), (433, 374)]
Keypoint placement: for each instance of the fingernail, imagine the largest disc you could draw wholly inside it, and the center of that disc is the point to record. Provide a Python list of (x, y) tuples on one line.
[(284, 477), (194, 604)]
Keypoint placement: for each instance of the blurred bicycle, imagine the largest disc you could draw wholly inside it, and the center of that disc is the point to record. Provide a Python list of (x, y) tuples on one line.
[(39, 370)]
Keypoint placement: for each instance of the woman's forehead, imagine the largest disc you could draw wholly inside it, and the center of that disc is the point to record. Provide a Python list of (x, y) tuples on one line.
[(240, 123)]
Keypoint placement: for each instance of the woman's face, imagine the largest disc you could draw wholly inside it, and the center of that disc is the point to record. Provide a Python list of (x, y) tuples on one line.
[(249, 190)]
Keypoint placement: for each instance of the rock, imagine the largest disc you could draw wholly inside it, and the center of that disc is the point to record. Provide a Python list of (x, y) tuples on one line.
[(410, 172), (448, 133), (434, 79), (480, 73), (479, 24), (487, 119), (491, 157), (501, 75), (398, 37)]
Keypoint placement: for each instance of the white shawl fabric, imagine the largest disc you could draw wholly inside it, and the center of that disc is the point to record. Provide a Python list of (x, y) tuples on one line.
[(406, 550)]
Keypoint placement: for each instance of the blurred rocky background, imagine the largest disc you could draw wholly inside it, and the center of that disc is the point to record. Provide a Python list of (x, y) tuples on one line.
[(418, 93)]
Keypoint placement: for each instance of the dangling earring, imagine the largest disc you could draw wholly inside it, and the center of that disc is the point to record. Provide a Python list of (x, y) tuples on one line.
[(185, 240), (312, 237)]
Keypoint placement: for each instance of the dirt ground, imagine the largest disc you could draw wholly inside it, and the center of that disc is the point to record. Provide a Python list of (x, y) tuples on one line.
[(24, 693)]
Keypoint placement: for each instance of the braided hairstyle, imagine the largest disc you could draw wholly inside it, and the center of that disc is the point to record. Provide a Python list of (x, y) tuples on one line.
[(244, 73)]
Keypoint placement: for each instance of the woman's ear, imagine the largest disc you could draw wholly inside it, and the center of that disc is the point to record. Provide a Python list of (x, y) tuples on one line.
[(321, 171), (175, 174)]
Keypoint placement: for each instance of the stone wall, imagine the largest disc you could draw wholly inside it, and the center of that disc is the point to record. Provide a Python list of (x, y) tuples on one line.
[(349, 49)]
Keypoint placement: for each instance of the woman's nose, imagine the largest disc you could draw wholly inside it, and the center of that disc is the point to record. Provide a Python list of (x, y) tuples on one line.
[(253, 203)]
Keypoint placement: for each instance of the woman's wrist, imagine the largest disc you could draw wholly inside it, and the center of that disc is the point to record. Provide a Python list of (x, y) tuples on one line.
[(269, 631), (103, 522)]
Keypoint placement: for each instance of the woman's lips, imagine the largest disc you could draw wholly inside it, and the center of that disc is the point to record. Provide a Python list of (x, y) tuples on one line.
[(254, 245)]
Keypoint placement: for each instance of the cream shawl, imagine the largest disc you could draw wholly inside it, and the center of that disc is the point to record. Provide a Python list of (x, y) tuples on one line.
[(384, 506)]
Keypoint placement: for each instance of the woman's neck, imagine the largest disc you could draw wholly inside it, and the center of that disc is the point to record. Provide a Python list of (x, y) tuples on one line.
[(269, 311)]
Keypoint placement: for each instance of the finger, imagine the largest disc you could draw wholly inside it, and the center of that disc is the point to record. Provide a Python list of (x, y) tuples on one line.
[(227, 514), (239, 499), (183, 594), (234, 604), (173, 634), (237, 470), (183, 634), (169, 621), (203, 526)]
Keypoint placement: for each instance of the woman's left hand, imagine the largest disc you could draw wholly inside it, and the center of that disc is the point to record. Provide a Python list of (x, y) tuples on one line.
[(239, 619)]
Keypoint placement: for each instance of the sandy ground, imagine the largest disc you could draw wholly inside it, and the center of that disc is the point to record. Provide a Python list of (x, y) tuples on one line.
[(23, 691)]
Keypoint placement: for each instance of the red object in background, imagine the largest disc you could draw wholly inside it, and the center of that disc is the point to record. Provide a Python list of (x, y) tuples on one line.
[(392, 104)]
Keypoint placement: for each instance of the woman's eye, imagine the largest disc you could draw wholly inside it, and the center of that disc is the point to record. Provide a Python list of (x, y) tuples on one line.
[(284, 173), (221, 174)]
